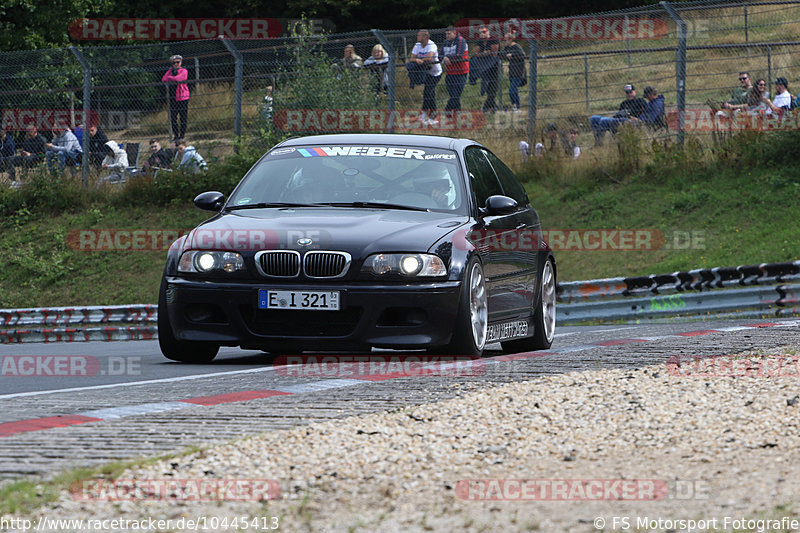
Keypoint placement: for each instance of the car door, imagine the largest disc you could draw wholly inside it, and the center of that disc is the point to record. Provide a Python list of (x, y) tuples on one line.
[(493, 237), (527, 227)]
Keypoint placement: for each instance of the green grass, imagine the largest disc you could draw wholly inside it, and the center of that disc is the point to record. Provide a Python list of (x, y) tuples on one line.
[(739, 204), (25, 496)]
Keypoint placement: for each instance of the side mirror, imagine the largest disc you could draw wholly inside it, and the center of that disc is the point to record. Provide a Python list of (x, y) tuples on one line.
[(210, 201), (500, 205)]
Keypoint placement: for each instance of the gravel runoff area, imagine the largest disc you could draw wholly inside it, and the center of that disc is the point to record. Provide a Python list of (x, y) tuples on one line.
[(704, 441)]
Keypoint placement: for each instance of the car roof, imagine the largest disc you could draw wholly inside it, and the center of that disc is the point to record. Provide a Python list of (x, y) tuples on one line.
[(424, 141)]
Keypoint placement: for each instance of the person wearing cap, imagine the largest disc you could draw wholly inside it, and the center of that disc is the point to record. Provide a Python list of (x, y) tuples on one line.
[(783, 98), (653, 114), (632, 106), (176, 77)]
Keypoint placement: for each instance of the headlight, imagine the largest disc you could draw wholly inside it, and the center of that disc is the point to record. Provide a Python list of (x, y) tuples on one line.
[(409, 265), (203, 261)]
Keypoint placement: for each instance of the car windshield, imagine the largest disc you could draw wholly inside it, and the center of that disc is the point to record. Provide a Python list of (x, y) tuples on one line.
[(362, 176)]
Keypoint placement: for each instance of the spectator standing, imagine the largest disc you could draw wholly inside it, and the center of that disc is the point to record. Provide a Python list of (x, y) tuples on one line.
[(632, 106), (188, 158), (7, 149), (377, 64), (32, 150), (424, 68), (783, 98), (65, 149), (517, 77), (176, 76), (115, 162), (160, 158), (97, 144), (486, 65), (455, 56)]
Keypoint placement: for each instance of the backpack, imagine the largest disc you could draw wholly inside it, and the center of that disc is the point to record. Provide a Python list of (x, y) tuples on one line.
[(794, 103)]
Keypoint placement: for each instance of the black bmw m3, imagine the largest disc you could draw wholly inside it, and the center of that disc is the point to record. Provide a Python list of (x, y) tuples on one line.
[(354, 241)]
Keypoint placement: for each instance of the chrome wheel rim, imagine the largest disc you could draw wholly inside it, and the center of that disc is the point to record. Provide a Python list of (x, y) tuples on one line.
[(478, 310), (548, 301)]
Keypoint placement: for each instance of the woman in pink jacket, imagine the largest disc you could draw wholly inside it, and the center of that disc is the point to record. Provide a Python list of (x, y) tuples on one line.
[(179, 104)]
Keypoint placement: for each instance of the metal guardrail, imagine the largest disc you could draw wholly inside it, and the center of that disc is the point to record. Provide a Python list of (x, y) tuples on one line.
[(750, 291), (52, 324), (746, 291)]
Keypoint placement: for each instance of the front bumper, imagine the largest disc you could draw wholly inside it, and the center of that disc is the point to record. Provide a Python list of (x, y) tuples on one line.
[(379, 315)]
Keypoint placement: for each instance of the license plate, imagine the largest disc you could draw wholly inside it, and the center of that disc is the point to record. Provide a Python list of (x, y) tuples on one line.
[(307, 300)]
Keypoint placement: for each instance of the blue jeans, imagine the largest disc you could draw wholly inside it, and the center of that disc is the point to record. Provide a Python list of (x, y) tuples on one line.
[(601, 125), (63, 157), (455, 86), (513, 93)]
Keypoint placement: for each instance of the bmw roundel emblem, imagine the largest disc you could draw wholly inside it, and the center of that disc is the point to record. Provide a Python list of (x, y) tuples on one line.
[(305, 241)]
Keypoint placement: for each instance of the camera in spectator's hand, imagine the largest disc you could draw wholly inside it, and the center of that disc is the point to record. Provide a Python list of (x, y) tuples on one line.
[(174, 71)]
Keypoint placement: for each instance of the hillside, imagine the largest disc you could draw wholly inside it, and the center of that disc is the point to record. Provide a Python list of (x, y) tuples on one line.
[(740, 209)]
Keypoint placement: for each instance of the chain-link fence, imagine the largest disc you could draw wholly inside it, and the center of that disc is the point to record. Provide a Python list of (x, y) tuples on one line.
[(575, 71)]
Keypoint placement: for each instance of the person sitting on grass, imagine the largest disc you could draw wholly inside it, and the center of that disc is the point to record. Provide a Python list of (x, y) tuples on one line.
[(189, 160)]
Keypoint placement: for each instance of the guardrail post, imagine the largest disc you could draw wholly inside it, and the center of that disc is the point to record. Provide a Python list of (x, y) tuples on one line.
[(87, 100), (391, 71), (680, 67), (532, 92), (237, 87)]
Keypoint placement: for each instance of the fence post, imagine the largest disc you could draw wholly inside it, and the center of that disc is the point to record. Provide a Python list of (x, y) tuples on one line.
[(628, 43), (746, 31), (532, 95), (237, 88), (87, 100), (391, 71), (586, 78), (680, 67), (769, 68)]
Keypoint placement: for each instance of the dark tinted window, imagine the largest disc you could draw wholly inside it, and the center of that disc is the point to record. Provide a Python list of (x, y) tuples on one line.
[(484, 182), (511, 185)]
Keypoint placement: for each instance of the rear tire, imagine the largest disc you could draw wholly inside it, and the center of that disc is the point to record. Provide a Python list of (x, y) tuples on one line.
[(544, 316), (178, 350), (472, 319)]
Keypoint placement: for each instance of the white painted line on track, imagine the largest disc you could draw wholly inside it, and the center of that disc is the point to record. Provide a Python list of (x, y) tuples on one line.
[(146, 382), (130, 410), (319, 385)]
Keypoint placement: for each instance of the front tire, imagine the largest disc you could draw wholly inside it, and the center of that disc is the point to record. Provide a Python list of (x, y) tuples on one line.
[(544, 316), (472, 319), (178, 350)]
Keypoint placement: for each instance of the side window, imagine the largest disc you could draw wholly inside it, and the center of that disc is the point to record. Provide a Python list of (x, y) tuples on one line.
[(481, 176), (511, 185)]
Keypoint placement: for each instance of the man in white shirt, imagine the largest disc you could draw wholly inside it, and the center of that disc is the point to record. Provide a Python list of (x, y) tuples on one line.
[(782, 100), (424, 69)]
